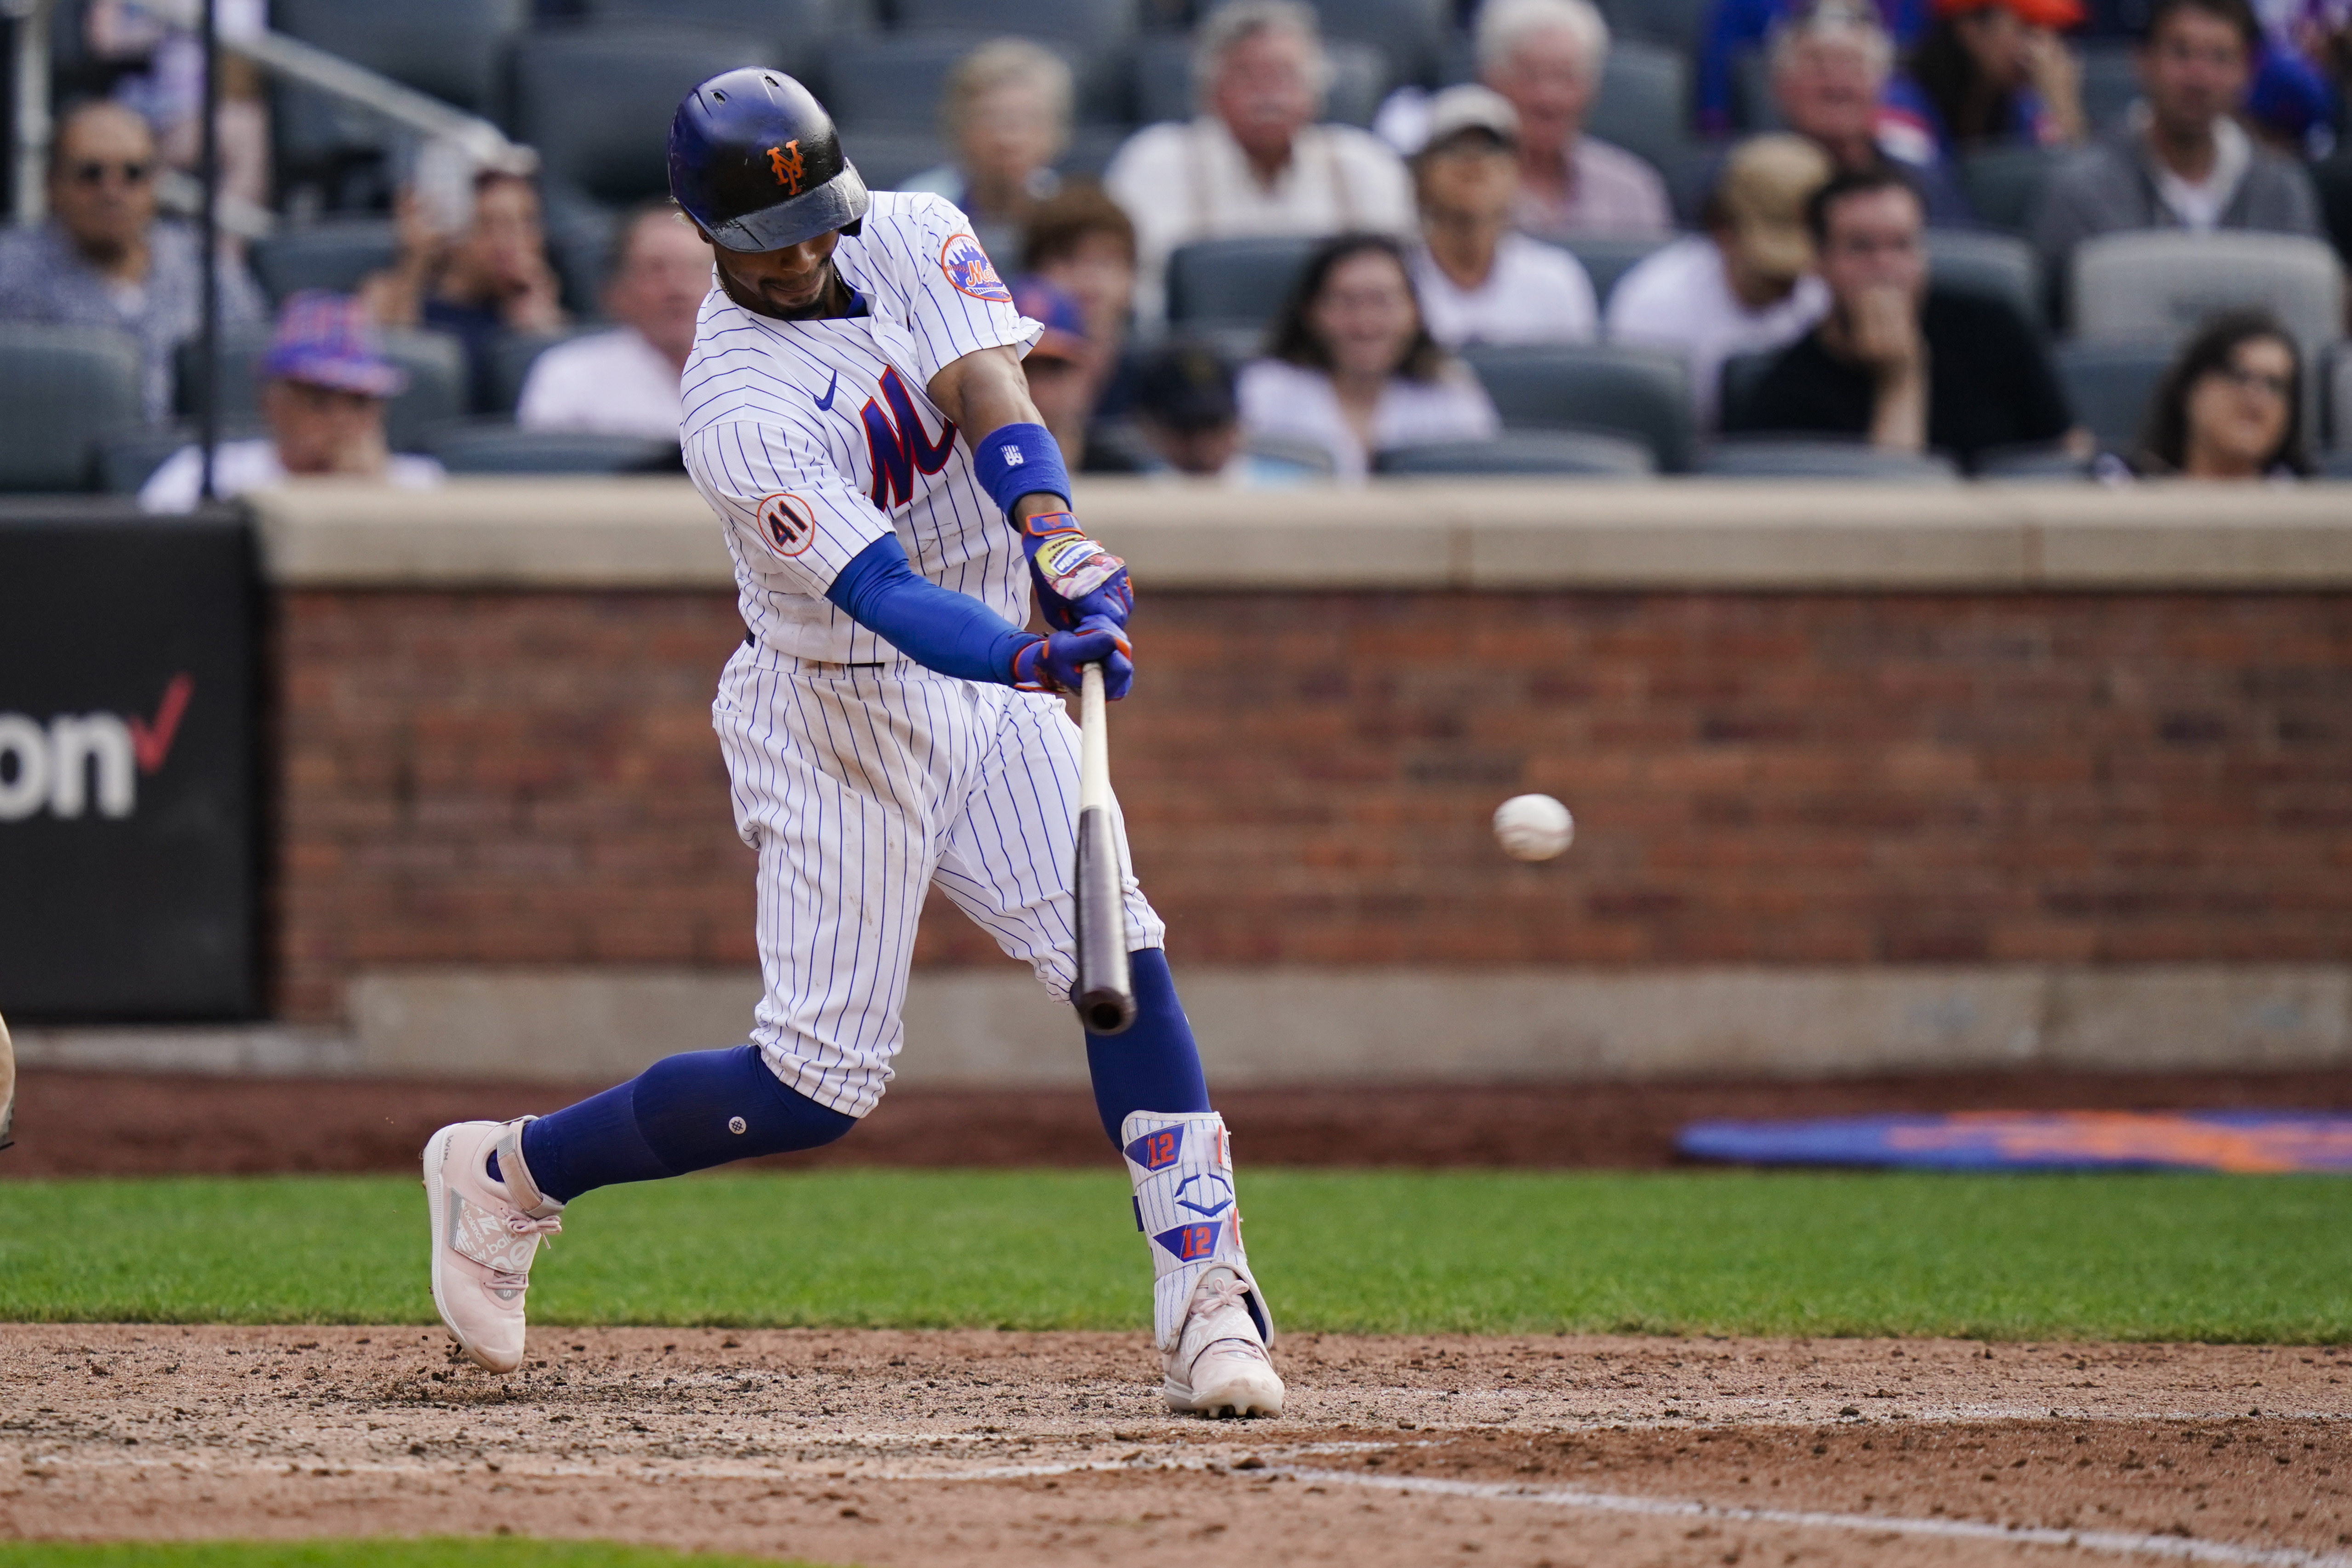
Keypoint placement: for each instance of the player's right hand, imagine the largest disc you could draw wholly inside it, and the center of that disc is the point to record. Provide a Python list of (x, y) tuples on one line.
[(1054, 663)]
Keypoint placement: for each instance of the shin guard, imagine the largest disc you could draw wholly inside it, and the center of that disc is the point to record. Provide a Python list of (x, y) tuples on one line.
[(1182, 1167)]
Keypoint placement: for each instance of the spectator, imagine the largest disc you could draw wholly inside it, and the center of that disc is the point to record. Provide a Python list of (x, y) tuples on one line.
[(323, 396), (1006, 115), (1478, 281), (1991, 72), (1352, 370), (169, 94), (1741, 27), (1545, 57), (1083, 243), (1743, 286), (491, 276), (2232, 405), (1829, 71), (103, 259), (1255, 162), (2184, 162), (1063, 374), (1903, 366), (624, 382), (1185, 411)]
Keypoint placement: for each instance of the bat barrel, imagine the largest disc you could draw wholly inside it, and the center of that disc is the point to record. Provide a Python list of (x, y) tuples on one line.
[(1103, 994)]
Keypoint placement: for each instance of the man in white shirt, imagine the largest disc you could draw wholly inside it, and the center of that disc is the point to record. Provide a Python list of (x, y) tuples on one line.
[(1254, 162), (323, 396), (624, 382), (1745, 286), (1479, 281), (1545, 57)]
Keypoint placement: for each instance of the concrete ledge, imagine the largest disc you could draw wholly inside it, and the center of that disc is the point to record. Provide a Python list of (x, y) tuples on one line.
[(1261, 1026), (656, 533)]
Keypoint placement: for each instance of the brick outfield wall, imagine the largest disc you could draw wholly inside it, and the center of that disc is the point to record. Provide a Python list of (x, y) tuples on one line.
[(531, 778)]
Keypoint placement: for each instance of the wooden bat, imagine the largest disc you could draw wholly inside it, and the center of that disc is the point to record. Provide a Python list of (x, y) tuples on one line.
[(1105, 992)]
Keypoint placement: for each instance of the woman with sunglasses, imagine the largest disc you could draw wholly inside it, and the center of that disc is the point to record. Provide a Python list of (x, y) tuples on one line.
[(2232, 405)]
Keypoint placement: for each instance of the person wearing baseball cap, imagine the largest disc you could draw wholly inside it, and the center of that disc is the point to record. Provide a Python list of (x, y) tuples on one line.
[(1989, 73), (1744, 286), (325, 381)]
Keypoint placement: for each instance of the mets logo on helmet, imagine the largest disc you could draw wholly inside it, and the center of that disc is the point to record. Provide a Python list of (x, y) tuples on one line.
[(787, 526), (969, 268), (786, 162)]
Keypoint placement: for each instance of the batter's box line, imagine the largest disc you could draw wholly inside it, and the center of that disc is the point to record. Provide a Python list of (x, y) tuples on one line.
[(2173, 1546)]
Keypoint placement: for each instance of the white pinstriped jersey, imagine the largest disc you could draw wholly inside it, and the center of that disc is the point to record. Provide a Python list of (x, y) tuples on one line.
[(813, 439)]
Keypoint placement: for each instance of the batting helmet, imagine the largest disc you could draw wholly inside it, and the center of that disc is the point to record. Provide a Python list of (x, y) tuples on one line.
[(755, 160)]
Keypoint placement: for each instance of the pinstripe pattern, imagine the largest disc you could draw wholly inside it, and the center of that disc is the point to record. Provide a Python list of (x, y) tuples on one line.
[(1186, 1206)]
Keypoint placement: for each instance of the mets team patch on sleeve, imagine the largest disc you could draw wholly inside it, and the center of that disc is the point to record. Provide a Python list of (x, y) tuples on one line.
[(787, 525), (969, 268)]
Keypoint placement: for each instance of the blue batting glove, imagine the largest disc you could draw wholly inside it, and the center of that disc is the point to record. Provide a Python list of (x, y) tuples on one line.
[(1076, 577), (1054, 663)]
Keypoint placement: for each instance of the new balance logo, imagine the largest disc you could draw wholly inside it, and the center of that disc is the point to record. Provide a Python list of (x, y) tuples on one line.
[(78, 761), (897, 446)]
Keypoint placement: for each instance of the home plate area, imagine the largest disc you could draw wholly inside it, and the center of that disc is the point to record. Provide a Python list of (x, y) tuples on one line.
[(959, 1446)]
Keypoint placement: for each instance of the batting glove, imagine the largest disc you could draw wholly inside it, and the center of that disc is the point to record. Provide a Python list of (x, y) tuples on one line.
[(1054, 663), (1076, 577)]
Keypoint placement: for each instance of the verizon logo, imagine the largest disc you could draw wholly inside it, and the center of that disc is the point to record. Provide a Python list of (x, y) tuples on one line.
[(79, 762)]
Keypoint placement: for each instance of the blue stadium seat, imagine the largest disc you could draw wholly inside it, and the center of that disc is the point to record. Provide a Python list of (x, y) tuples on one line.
[(2160, 285), (435, 362), (2337, 382), (1643, 105), (797, 30), (1996, 267), (1609, 387), (2337, 466), (63, 391), (453, 49), (1223, 284), (2004, 185), (1163, 78), (336, 255), (1608, 258), (495, 446), (1407, 33), (126, 462), (1678, 24), (2032, 465), (1091, 25), (887, 159), (512, 355), (596, 102), (2110, 84), (1741, 375), (2109, 386), (1523, 452), (1782, 457)]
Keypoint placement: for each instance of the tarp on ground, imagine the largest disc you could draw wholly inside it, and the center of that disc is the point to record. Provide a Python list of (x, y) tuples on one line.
[(2242, 1140)]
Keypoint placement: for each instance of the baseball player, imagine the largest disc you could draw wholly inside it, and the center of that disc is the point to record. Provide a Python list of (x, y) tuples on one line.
[(856, 414)]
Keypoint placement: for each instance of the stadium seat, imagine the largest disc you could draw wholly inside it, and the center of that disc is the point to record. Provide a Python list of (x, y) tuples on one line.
[(1091, 25), (1678, 24), (1523, 452), (893, 82), (2159, 285), (1219, 285), (1753, 111), (126, 461), (2004, 185), (1407, 35), (2338, 384), (337, 254), (1741, 375), (2337, 466), (63, 391), (453, 49), (1780, 457), (1989, 265), (597, 101), (2030, 464), (1163, 80), (1606, 259), (511, 358), (886, 160), (495, 446), (2110, 84), (435, 362), (1609, 387), (796, 29), (2109, 386), (1643, 105)]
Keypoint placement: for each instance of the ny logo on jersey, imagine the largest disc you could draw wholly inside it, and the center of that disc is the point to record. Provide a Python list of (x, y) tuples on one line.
[(897, 446), (786, 162)]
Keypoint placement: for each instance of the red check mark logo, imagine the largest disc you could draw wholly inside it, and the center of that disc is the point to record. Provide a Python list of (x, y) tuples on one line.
[(150, 743)]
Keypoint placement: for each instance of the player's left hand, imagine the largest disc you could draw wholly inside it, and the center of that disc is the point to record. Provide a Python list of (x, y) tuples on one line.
[(1076, 577), (1055, 663)]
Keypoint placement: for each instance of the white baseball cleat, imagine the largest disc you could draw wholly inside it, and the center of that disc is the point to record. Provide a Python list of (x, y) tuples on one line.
[(485, 1234), (1219, 1366), (8, 1085)]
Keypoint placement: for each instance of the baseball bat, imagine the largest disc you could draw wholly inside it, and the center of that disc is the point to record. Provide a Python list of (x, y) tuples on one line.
[(1105, 992)]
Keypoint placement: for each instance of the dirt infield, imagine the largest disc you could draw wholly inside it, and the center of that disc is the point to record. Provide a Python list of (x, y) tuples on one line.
[(141, 1124), (995, 1448)]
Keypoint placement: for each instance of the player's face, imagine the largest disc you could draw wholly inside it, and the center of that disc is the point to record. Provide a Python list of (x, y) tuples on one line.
[(787, 283)]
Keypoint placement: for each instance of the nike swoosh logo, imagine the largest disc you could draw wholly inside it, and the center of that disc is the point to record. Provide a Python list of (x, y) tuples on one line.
[(824, 404)]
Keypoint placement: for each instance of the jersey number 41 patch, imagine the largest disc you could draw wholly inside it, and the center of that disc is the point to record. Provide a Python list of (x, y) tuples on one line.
[(970, 269), (787, 524)]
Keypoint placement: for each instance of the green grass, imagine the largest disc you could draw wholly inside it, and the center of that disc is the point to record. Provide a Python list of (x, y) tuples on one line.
[(2107, 1257), (447, 1552)]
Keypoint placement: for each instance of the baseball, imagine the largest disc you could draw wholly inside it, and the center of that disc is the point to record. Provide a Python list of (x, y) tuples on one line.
[(1533, 828)]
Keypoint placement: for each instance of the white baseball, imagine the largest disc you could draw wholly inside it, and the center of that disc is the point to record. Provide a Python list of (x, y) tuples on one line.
[(1533, 828)]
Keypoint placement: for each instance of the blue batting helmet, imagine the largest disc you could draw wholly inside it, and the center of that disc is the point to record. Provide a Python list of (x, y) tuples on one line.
[(755, 160)]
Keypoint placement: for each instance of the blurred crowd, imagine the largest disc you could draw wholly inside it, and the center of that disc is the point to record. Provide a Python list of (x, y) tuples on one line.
[(1853, 233)]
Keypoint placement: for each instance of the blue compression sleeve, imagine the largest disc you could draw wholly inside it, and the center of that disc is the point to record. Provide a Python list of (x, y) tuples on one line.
[(683, 1113), (937, 627), (1016, 460), (1153, 1065)]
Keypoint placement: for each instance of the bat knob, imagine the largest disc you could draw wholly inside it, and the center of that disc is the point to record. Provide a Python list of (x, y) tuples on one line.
[(1106, 1012)]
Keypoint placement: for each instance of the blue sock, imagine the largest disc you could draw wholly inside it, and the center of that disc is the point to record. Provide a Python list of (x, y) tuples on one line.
[(678, 1115), (1154, 1065)]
